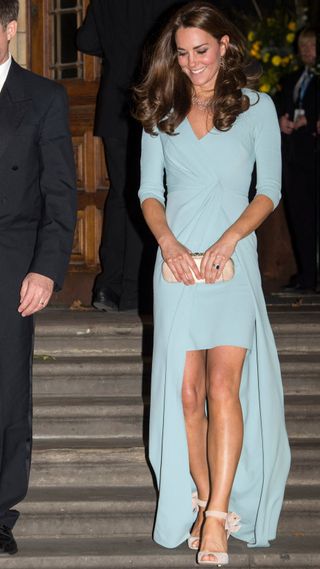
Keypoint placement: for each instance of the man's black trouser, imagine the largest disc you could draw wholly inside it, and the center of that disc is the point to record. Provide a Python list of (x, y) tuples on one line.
[(121, 245), (126, 246), (300, 204), (16, 347)]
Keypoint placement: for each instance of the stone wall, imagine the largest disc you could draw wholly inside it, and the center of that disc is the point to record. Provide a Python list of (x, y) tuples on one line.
[(18, 47)]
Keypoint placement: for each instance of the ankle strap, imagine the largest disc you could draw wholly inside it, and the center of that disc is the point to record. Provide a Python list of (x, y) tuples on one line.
[(216, 514), (196, 502), (202, 503)]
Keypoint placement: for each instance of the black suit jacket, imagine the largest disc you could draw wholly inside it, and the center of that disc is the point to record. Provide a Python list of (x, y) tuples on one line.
[(311, 99), (299, 147), (37, 179), (116, 30)]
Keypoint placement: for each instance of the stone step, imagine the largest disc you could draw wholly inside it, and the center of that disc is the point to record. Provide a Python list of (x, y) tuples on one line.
[(119, 553), (90, 346), (107, 385), (91, 333), (103, 417), (130, 376), (301, 374), (106, 376), (94, 334), (61, 322), (296, 332), (305, 463), (90, 463), (59, 366), (97, 463), (97, 512)]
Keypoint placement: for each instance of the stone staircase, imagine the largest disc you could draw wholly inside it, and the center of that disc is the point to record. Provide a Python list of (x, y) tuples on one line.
[(91, 500)]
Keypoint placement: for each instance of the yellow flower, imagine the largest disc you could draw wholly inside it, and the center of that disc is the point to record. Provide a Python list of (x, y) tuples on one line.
[(255, 54), (285, 61), (251, 36), (292, 26), (290, 37), (265, 88), (266, 57), (257, 45), (276, 60)]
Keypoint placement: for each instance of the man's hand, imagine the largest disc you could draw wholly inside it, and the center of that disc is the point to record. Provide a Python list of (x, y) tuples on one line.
[(286, 125), (35, 293), (300, 121)]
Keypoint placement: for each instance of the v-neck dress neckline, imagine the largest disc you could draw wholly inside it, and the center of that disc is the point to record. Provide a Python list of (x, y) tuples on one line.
[(193, 132)]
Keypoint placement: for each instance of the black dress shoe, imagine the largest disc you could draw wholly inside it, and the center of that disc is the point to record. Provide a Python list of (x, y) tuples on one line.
[(304, 289), (106, 300), (131, 307), (8, 545), (292, 284), (298, 289), (298, 285)]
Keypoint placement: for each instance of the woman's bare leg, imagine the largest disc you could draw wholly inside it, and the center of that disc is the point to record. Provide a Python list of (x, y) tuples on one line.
[(193, 399), (225, 436)]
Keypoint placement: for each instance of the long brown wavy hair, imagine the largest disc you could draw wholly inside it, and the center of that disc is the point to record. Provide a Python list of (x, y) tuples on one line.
[(164, 96)]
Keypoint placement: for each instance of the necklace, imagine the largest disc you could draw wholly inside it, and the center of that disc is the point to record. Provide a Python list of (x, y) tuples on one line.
[(202, 104)]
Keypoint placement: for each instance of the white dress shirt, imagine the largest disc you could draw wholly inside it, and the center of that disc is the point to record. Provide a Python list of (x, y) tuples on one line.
[(4, 70)]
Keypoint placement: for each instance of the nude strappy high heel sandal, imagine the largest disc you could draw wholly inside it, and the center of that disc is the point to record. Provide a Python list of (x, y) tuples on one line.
[(193, 540), (232, 526)]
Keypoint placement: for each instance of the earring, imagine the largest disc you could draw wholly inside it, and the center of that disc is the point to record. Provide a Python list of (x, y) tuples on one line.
[(223, 63)]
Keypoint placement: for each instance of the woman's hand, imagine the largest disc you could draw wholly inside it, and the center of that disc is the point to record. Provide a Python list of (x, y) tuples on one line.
[(216, 256), (179, 260)]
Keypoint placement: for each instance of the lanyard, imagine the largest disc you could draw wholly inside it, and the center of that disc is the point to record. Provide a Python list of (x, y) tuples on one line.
[(304, 82)]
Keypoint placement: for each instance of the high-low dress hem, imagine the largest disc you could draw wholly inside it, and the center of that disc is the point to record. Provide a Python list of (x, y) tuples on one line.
[(208, 182)]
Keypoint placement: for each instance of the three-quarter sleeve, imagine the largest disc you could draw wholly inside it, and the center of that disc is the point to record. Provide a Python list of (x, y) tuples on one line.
[(152, 169), (267, 149)]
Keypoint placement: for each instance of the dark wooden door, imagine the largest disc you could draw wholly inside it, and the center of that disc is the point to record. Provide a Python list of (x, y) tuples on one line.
[(54, 55)]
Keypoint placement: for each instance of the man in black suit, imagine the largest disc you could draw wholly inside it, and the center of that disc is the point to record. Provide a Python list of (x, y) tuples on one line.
[(37, 217), (116, 31), (299, 107)]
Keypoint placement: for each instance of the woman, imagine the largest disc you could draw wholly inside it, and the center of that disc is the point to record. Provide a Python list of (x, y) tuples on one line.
[(213, 344)]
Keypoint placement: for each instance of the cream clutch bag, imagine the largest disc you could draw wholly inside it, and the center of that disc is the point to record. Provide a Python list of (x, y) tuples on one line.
[(227, 273)]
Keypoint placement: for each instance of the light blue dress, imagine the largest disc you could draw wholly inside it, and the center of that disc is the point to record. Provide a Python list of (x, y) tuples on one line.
[(207, 183)]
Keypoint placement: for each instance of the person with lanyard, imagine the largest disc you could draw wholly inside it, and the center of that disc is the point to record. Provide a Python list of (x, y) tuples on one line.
[(298, 109)]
